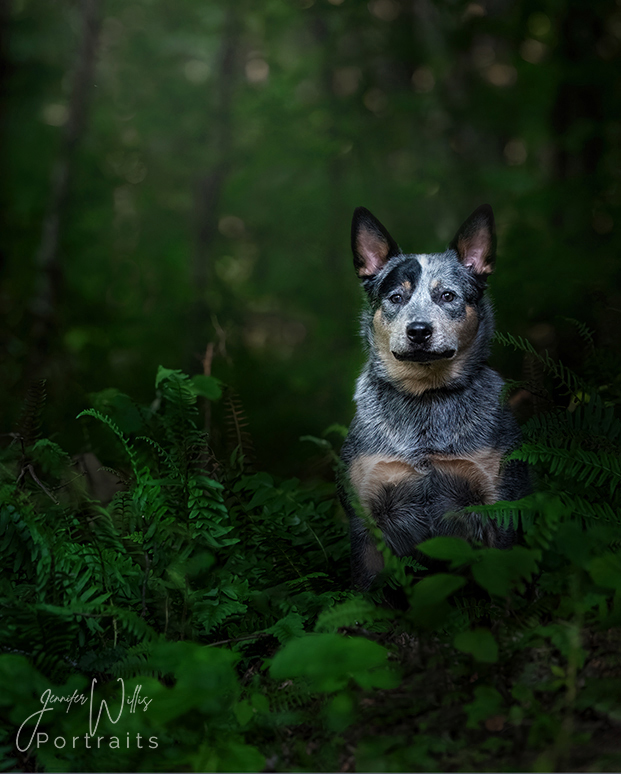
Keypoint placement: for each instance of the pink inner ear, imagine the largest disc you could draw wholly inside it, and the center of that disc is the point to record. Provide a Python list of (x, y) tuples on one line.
[(475, 252), (373, 251)]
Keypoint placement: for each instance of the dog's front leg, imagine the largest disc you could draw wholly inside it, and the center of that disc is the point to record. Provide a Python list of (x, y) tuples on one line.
[(399, 510), (366, 560)]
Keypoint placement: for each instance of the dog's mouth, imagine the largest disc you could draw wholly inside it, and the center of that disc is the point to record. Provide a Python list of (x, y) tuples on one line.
[(423, 356)]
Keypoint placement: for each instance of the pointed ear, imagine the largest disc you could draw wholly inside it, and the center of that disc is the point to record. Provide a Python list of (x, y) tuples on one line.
[(371, 244), (475, 242)]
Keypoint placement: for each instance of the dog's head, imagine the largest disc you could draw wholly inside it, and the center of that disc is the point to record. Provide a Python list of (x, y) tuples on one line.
[(428, 310)]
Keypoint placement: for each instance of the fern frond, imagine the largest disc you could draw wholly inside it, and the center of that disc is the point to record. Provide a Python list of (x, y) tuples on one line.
[(238, 437), (287, 628), (122, 477), (132, 623), (161, 451), (507, 513), (546, 425), (212, 614), (564, 375), (353, 612), (131, 665), (29, 425), (595, 418), (474, 609), (592, 422), (175, 386), (50, 456), (116, 430), (591, 511), (588, 467), (527, 618), (584, 331)]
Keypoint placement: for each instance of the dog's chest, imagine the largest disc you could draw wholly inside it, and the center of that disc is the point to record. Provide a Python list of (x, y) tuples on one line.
[(480, 468), (408, 446), (411, 429)]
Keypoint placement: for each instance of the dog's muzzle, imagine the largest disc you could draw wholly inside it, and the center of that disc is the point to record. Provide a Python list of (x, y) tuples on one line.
[(424, 356), (418, 335)]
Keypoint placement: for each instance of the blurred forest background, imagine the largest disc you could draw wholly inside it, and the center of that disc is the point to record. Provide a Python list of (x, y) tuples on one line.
[(178, 180)]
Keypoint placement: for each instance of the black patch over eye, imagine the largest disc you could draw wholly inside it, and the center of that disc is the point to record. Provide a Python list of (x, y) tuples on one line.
[(447, 296), (395, 298), (408, 271)]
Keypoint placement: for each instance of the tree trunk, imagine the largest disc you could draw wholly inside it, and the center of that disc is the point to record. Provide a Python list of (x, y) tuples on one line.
[(45, 302), (209, 186), (4, 72)]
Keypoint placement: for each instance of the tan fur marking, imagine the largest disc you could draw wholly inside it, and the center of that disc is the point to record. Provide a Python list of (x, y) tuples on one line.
[(417, 378), (468, 328), (382, 334), (480, 468), (368, 474), (407, 285), (412, 377)]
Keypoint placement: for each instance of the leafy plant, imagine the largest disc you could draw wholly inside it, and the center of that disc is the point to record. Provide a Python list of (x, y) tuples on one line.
[(215, 600)]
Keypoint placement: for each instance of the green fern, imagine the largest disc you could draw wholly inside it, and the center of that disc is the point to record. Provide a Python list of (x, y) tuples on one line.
[(586, 333), (239, 441), (287, 628), (507, 513), (589, 468), (589, 511), (29, 425), (561, 373), (591, 422), (128, 448), (353, 612)]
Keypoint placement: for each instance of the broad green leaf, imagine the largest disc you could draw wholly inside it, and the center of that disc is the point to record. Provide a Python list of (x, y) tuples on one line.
[(243, 712), (340, 712), (330, 661), (480, 643), (487, 702), (452, 549), (166, 373), (497, 571), (606, 571), (428, 605), (206, 386)]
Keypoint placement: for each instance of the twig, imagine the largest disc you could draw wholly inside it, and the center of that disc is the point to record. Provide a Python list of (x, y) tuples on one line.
[(256, 636), (147, 562), (29, 469)]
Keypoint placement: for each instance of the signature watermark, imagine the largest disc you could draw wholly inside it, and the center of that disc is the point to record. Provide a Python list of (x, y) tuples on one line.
[(51, 702)]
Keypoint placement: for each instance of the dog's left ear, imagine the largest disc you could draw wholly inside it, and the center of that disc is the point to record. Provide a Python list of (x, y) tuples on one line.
[(475, 242)]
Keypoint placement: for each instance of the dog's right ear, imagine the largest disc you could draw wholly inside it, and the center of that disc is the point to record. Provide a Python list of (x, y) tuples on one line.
[(371, 244), (475, 242)]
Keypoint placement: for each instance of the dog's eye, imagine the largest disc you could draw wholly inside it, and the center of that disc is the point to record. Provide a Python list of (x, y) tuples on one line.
[(447, 296), (396, 298)]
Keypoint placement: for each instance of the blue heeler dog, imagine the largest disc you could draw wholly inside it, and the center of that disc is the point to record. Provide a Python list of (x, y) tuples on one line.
[(430, 430)]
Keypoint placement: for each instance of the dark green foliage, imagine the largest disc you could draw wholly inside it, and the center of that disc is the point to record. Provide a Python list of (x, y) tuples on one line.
[(201, 215), (219, 596), (96, 591)]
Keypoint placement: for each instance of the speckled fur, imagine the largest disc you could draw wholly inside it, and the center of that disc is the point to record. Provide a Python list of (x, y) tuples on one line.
[(428, 437)]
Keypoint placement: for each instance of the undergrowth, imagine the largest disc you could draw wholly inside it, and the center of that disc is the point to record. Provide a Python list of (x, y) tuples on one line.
[(202, 619)]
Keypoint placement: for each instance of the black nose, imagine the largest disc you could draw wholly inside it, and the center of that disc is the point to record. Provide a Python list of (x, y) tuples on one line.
[(418, 332)]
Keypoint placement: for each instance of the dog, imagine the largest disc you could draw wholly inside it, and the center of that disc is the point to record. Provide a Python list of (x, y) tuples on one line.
[(430, 430)]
